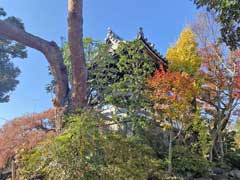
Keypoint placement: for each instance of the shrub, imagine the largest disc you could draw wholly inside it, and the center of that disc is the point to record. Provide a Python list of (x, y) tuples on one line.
[(233, 159), (186, 162), (87, 151)]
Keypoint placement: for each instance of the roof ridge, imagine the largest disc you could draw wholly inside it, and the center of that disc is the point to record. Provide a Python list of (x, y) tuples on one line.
[(114, 39)]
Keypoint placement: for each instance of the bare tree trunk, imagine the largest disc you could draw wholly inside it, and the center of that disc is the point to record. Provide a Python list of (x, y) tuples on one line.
[(219, 128), (211, 153), (221, 146), (13, 169), (170, 152), (55, 59), (79, 69), (51, 52)]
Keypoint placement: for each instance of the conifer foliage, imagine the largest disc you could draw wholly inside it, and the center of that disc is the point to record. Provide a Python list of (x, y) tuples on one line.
[(9, 50)]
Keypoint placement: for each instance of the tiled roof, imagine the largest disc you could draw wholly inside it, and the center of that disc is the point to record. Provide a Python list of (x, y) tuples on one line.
[(113, 39), (151, 47)]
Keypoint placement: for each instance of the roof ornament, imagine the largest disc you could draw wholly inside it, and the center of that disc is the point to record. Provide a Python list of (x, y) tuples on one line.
[(140, 33), (110, 32)]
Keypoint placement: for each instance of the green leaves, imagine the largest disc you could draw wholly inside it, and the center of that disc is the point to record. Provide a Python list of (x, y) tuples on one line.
[(228, 15), (129, 91), (186, 162), (89, 151), (8, 50), (2, 12)]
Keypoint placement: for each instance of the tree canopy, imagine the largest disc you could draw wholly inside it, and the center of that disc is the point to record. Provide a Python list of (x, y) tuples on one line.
[(183, 56), (122, 111), (227, 14), (9, 50)]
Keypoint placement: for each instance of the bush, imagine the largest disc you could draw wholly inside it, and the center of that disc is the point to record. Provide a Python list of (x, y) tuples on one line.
[(233, 159), (186, 162), (87, 151)]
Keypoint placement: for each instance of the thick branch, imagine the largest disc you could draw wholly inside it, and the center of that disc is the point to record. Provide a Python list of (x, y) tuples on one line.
[(79, 70), (51, 52)]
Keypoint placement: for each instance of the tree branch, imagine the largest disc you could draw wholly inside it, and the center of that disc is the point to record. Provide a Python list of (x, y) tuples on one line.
[(51, 52)]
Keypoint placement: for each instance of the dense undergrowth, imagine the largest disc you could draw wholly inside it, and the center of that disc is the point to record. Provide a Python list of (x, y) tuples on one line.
[(88, 150)]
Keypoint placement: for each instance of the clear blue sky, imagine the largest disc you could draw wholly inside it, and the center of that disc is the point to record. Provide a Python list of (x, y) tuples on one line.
[(162, 21)]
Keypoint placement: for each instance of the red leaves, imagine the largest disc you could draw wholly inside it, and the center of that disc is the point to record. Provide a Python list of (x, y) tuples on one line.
[(208, 54), (236, 92), (236, 55), (24, 132), (220, 71), (172, 87)]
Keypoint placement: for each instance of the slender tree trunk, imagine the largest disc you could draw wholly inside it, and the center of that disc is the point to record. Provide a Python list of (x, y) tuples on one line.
[(221, 146), (55, 59), (170, 152), (51, 52), (79, 69), (211, 153), (218, 128), (13, 166), (212, 145)]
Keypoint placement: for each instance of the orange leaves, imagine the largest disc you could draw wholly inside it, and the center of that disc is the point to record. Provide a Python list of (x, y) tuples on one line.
[(236, 92), (172, 86), (25, 132), (236, 56), (220, 71), (172, 94)]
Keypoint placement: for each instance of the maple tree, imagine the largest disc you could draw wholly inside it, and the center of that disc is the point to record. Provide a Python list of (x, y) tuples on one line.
[(201, 90), (25, 132), (219, 75), (172, 94)]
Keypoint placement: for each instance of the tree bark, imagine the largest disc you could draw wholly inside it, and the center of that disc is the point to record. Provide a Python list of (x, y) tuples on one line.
[(218, 128), (221, 146), (170, 151), (51, 52), (13, 166), (79, 69)]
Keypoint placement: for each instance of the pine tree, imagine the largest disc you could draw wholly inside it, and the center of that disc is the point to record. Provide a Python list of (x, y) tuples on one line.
[(9, 50)]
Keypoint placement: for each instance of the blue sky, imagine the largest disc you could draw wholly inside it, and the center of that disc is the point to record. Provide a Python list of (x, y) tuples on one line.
[(162, 21)]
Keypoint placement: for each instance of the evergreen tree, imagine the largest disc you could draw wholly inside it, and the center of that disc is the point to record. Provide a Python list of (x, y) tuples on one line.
[(9, 50)]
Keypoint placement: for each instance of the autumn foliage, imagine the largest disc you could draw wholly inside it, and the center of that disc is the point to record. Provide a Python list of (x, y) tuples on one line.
[(220, 78), (183, 55), (172, 90), (24, 132)]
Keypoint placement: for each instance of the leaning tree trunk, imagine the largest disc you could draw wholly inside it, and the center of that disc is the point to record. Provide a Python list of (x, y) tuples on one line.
[(51, 52), (79, 69)]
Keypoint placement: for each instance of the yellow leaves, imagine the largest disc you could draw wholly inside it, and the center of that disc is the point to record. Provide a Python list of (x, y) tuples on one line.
[(166, 126), (183, 55)]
